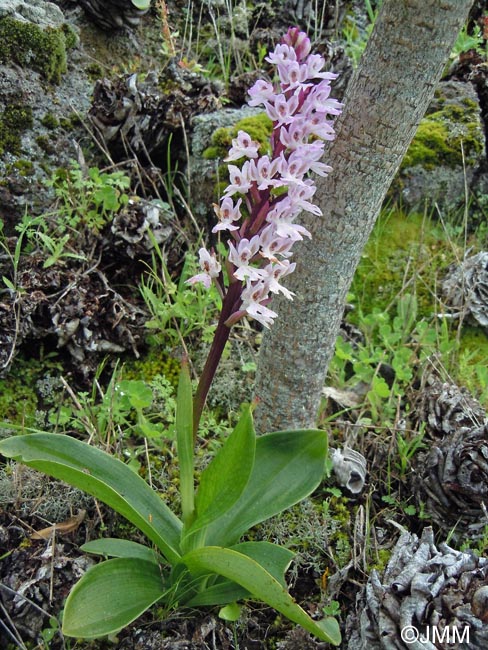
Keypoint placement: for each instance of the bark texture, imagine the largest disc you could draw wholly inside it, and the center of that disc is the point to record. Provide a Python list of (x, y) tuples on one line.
[(386, 99)]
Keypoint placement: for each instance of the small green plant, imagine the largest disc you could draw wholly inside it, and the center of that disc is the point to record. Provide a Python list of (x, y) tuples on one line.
[(176, 310), (355, 39), (197, 560), (90, 198), (470, 40)]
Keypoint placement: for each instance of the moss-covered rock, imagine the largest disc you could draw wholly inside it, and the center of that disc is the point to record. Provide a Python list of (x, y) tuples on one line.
[(14, 120), (42, 49), (448, 146)]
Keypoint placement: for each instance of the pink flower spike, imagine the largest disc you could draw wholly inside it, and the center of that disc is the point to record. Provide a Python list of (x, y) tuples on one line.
[(261, 92), (243, 145), (226, 213)]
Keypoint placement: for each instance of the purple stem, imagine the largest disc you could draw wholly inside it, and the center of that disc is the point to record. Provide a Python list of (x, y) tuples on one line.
[(221, 336)]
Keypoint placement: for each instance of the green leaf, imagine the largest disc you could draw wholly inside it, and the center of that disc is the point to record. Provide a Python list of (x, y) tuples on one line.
[(141, 4), (261, 584), (225, 478), (111, 595), (288, 466), (105, 478), (231, 612), (113, 547), (220, 593), (275, 559), (184, 441)]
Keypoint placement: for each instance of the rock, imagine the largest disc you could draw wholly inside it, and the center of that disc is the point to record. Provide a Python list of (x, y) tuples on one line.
[(448, 147), (39, 12)]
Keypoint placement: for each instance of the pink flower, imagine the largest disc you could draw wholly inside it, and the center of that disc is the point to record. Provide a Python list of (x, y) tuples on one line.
[(263, 172), (239, 180), (277, 271), (273, 245), (211, 269), (299, 41), (282, 110), (227, 213), (282, 54), (242, 257), (253, 297), (262, 91), (243, 145)]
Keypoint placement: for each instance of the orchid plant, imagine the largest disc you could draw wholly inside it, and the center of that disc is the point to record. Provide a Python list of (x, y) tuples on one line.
[(273, 191), (199, 559)]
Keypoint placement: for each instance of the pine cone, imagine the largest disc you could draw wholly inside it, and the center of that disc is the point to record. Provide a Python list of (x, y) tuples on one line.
[(110, 14), (135, 115), (424, 588), (451, 479), (465, 289)]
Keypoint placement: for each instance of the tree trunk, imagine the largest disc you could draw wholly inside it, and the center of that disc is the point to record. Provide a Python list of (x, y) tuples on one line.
[(385, 101)]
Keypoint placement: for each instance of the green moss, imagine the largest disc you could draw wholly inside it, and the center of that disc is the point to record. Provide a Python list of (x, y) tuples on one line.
[(45, 144), (24, 167), (259, 127), (29, 45), (13, 121), (444, 136), (50, 121), (154, 363)]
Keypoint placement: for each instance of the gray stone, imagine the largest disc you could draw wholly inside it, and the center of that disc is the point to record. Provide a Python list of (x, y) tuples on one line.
[(45, 14)]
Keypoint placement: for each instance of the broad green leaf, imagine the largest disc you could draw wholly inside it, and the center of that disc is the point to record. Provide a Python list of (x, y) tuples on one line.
[(288, 466), (104, 477), (261, 584), (184, 441), (114, 547), (225, 478), (111, 595), (275, 559)]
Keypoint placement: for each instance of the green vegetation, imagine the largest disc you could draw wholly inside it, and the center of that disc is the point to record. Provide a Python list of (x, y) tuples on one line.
[(29, 45), (14, 120), (445, 136)]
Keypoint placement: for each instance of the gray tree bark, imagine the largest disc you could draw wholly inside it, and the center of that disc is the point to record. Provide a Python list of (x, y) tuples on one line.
[(386, 99)]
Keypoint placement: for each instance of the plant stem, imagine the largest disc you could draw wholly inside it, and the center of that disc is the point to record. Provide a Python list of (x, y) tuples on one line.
[(218, 344)]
